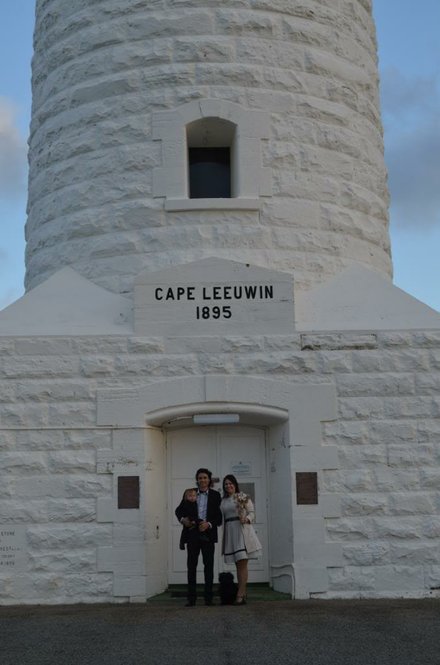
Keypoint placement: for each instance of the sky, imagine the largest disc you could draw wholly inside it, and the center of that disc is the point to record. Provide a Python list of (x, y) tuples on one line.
[(409, 60)]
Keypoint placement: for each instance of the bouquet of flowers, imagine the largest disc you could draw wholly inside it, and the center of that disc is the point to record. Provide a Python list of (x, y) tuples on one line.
[(241, 499)]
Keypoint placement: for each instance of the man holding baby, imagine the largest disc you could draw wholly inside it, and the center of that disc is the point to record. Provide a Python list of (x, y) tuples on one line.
[(204, 532)]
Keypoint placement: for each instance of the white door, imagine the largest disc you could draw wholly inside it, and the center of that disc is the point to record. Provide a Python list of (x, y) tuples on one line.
[(222, 449)]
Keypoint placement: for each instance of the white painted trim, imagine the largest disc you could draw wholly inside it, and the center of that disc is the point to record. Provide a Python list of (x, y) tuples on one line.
[(212, 204), (269, 414), (128, 407), (306, 405), (250, 178)]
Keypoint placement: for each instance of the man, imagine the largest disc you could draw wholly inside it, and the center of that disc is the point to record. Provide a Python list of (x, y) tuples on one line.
[(210, 517)]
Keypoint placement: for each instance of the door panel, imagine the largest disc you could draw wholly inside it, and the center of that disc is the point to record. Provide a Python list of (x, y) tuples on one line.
[(194, 448), (188, 449), (242, 452), (223, 450)]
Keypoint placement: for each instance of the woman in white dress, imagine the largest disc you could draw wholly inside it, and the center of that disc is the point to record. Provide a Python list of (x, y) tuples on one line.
[(240, 541)]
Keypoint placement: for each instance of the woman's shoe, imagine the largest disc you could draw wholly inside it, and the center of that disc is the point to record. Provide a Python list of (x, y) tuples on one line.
[(240, 600)]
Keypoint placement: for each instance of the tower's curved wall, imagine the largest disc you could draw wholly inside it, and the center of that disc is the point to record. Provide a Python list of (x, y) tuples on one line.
[(101, 71)]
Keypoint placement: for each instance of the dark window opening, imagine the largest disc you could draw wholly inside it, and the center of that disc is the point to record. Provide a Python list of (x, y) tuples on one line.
[(209, 173)]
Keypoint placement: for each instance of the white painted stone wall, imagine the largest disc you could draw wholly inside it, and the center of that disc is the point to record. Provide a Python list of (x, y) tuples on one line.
[(53, 478), (102, 70), (113, 83)]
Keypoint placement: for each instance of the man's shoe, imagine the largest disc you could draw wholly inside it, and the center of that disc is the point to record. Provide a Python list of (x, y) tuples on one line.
[(209, 602), (190, 603)]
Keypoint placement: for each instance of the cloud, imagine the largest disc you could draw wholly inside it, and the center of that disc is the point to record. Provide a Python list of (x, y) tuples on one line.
[(12, 154), (411, 111), (402, 94), (414, 177)]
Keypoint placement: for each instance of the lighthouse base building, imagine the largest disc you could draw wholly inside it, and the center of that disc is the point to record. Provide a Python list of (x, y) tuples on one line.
[(209, 285), (325, 407)]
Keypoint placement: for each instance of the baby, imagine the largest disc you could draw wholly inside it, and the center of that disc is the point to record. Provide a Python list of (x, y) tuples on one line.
[(191, 515)]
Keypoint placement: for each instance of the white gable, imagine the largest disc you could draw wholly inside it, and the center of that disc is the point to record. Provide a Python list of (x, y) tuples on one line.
[(361, 299), (67, 304)]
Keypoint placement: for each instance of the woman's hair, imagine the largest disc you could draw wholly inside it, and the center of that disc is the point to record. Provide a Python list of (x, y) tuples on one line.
[(233, 480)]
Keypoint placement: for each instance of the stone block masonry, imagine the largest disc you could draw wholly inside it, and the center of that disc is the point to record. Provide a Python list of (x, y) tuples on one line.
[(102, 72), (122, 91), (57, 533)]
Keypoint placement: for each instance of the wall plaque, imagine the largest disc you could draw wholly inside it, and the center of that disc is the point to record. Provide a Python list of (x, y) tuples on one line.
[(239, 468), (128, 492), (306, 489), (213, 297), (12, 548)]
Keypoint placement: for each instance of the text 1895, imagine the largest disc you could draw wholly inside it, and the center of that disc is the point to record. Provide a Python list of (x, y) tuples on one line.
[(214, 312)]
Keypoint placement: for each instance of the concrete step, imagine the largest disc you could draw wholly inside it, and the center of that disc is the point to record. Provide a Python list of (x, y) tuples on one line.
[(254, 592)]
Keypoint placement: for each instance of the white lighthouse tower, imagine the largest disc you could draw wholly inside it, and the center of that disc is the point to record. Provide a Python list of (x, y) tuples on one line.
[(209, 285), (275, 103)]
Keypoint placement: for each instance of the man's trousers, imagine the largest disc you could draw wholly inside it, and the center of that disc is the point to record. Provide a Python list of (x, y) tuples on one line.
[(194, 548)]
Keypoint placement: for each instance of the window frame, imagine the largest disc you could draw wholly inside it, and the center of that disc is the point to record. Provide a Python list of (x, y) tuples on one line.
[(250, 179)]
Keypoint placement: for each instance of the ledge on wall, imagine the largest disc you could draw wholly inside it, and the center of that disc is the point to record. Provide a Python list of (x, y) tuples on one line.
[(67, 304), (239, 203), (361, 299)]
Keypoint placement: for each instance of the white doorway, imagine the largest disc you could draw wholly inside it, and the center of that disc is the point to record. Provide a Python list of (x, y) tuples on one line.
[(240, 450)]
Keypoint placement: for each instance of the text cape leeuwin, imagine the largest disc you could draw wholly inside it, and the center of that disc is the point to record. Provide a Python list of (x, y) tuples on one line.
[(218, 292)]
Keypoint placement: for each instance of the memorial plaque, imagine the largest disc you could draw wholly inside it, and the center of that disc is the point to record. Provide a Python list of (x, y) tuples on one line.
[(12, 548), (128, 492), (213, 297), (306, 489)]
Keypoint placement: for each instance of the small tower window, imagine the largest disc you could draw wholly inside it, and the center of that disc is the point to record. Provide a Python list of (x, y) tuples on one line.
[(211, 150), (209, 173), (212, 156)]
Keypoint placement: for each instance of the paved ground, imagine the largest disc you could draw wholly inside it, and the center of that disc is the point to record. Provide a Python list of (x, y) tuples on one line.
[(278, 632)]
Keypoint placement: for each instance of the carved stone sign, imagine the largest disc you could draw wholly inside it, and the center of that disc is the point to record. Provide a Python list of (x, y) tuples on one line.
[(213, 297)]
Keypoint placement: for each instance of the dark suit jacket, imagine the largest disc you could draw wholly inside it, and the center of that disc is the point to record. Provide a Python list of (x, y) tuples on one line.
[(213, 513)]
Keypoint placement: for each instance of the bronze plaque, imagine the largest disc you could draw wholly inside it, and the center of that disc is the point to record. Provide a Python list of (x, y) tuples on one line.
[(307, 489), (128, 492)]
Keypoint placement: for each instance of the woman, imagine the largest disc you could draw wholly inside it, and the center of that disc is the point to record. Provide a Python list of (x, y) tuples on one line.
[(240, 541)]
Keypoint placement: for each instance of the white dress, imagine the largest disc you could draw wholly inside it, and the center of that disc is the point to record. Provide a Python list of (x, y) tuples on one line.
[(234, 548), (239, 540)]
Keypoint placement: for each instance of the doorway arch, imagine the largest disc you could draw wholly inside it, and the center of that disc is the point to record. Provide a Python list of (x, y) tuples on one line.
[(292, 415)]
